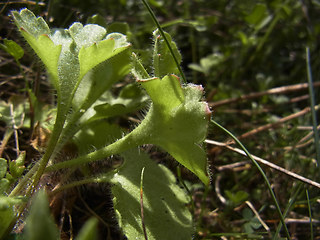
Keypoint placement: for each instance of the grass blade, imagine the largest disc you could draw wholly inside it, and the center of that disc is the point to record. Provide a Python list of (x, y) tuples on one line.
[(312, 106), (310, 215), (289, 206)]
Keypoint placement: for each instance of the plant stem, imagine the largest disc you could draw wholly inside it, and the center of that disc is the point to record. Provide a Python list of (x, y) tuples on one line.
[(96, 179), (262, 173), (49, 154), (21, 186), (119, 146)]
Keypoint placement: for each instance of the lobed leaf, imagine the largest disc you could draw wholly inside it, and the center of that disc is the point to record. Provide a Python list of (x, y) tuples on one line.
[(85, 36), (26, 20), (177, 121), (37, 33)]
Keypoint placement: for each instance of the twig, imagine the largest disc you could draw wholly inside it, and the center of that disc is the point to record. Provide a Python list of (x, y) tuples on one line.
[(305, 141), (217, 190), (278, 90), (258, 217), (299, 98), (309, 135), (233, 165), (305, 220), (267, 163), (282, 120)]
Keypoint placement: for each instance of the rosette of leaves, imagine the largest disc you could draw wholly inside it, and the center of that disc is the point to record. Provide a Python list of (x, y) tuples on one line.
[(83, 62)]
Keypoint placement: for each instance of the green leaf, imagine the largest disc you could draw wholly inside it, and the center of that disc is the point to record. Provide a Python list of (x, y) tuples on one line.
[(96, 135), (100, 79), (17, 166), (12, 48), (138, 70), (3, 167), (257, 14), (4, 185), (6, 216), (177, 121), (91, 56), (90, 92), (166, 94), (29, 22), (86, 36), (36, 32), (130, 99), (163, 61), (89, 230), (259, 17), (14, 111), (120, 27), (97, 19), (39, 223), (237, 198), (68, 54), (164, 203), (207, 63), (8, 202)]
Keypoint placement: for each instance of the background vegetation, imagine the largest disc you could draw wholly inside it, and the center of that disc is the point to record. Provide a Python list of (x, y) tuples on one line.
[(250, 56)]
